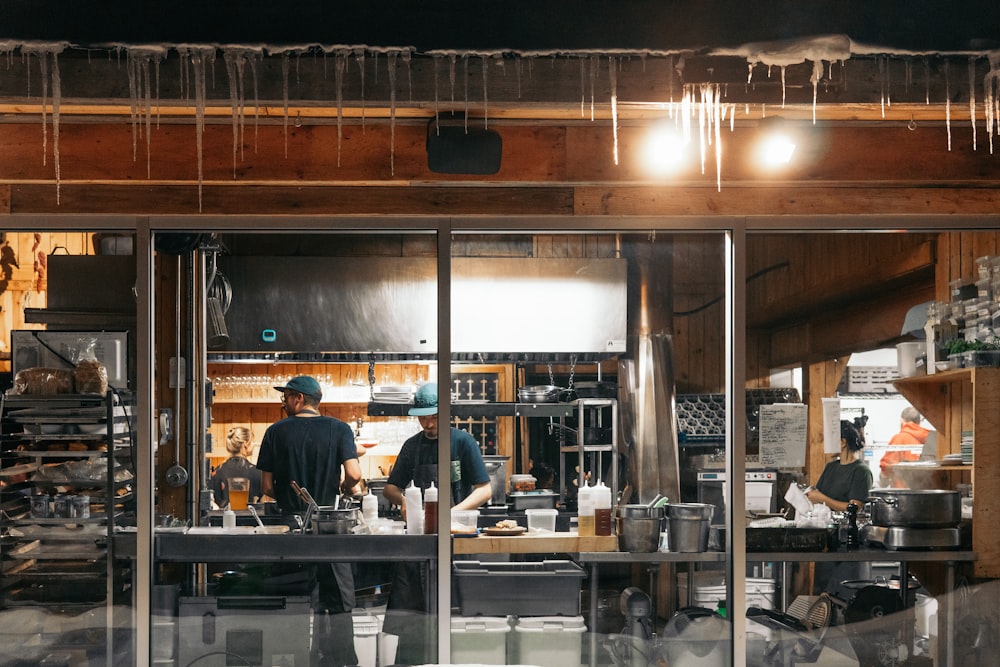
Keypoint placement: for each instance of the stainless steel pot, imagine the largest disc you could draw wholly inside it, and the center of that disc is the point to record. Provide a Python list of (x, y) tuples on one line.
[(540, 393), (913, 508), (335, 521)]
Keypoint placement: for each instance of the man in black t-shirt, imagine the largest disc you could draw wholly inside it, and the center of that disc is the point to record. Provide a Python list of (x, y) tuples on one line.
[(310, 449)]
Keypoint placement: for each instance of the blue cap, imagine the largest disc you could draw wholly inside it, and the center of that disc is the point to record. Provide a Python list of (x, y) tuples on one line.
[(425, 401), (304, 384)]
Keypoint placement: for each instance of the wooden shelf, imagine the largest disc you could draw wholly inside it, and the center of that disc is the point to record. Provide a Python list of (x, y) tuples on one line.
[(956, 402)]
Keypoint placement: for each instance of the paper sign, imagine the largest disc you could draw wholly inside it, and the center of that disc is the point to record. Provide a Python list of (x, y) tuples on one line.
[(783, 435), (831, 425)]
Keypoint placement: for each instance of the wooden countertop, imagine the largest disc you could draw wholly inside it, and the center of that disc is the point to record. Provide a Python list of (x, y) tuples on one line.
[(569, 542)]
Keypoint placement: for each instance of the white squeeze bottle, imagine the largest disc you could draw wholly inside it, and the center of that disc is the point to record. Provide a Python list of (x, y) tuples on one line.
[(585, 511), (414, 510), (369, 507), (602, 509)]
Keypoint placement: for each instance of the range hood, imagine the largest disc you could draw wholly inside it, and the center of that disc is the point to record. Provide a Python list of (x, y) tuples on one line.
[(502, 308)]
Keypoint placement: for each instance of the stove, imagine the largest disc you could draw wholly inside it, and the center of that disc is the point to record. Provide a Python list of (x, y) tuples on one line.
[(899, 537)]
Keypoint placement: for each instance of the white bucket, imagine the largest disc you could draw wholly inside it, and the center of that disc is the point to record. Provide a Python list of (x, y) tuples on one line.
[(479, 639), (548, 641), (907, 355)]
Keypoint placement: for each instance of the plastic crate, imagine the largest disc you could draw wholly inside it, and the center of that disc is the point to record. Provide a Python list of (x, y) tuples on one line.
[(548, 588)]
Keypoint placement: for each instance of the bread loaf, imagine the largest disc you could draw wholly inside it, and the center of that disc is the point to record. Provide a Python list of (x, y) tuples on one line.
[(44, 381), (91, 377)]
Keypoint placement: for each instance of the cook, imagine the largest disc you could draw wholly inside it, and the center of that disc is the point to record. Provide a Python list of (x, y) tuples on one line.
[(311, 449), (406, 610), (844, 481)]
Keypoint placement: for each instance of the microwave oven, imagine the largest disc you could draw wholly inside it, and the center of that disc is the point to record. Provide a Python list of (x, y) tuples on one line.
[(33, 348)]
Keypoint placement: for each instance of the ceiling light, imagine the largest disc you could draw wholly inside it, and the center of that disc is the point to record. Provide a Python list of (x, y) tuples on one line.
[(665, 147)]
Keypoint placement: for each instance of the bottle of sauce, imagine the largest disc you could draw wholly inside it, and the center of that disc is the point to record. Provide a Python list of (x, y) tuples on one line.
[(602, 509), (585, 512), (431, 509), (414, 510), (369, 507)]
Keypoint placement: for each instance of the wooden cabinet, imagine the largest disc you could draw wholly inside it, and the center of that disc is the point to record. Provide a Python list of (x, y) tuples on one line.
[(968, 400)]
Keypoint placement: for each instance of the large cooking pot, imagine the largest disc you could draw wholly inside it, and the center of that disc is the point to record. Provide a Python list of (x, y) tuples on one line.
[(912, 508), (329, 520)]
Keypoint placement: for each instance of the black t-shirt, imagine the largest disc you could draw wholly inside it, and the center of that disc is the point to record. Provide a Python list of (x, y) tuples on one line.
[(310, 451), (235, 466)]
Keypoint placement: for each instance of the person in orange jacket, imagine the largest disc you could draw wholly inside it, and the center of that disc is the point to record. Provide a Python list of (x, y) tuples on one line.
[(910, 433)]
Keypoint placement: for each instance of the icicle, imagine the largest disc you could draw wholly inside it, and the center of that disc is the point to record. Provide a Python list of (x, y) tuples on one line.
[(437, 111), (56, 101), (284, 98), (702, 128), (518, 69), (256, 99), (465, 89), (148, 96), (718, 140), (359, 56), (339, 66), (972, 98), (614, 102), (782, 86), (670, 82), (927, 81), (583, 93), (230, 60), (947, 103), (888, 82), (814, 79), (198, 64), (43, 72), (881, 82), (595, 66), (409, 74), (391, 65), (486, 102), (132, 69), (451, 75)]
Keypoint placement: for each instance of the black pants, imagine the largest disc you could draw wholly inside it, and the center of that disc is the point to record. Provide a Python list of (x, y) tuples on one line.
[(407, 615)]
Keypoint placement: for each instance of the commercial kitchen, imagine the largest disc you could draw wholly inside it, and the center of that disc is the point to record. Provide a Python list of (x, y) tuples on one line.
[(196, 212)]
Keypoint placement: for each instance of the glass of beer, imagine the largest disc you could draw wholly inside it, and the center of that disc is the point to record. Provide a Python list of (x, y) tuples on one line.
[(239, 493)]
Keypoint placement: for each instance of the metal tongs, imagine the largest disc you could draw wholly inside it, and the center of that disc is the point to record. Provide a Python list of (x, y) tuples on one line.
[(308, 499)]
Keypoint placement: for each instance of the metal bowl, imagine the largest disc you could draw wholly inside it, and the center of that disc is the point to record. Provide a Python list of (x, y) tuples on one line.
[(539, 393)]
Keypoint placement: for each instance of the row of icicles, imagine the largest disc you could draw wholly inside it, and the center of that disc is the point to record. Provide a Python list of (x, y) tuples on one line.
[(696, 101)]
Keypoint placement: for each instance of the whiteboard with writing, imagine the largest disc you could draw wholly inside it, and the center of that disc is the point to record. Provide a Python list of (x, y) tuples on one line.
[(783, 435)]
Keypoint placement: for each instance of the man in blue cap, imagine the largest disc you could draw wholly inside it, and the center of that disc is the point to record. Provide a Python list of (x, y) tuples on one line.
[(311, 449), (406, 611)]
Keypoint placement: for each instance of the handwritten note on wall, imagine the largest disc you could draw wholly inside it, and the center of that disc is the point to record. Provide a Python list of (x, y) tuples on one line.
[(783, 435)]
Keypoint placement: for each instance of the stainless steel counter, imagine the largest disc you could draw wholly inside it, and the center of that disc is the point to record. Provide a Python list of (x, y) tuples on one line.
[(202, 548)]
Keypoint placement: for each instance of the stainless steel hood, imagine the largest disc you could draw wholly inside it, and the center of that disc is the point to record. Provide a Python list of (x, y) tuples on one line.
[(389, 305)]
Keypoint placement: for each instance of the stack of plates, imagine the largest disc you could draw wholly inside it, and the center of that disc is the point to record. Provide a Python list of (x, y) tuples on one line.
[(393, 394), (967, 444)]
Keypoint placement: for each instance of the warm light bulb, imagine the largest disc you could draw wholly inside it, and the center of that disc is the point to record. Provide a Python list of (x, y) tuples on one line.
[(776, 150), (665, 149)]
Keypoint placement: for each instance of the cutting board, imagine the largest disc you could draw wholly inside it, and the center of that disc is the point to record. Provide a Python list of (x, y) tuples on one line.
[(569, 542)]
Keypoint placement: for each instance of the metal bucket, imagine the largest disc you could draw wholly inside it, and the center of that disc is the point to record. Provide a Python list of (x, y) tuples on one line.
[(688, 525), (639, 528)]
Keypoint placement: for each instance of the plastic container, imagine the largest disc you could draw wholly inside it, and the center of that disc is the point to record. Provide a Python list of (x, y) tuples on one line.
[(464, 521), (229, 519), (540, 519), (522, 483), (547, 588), (480, 640), (365, 639), (548, 641), (907, 355), (431, 510)]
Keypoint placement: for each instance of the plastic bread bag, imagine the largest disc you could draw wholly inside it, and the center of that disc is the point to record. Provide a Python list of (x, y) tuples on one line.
[(91, 374), (45, 381)]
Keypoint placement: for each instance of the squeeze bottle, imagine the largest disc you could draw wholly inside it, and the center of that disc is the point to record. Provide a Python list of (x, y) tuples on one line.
[(431, 509), (602, 509), (229, 519), (414, 510), (585, 511), (369, 507)]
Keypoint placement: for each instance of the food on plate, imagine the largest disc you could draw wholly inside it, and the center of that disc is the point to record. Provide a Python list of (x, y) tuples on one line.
[(507, 524)]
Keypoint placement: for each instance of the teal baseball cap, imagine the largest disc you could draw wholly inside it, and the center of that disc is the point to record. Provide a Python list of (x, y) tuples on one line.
[(425, 401)]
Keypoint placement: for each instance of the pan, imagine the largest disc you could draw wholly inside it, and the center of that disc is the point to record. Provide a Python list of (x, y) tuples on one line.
[(540, 393)]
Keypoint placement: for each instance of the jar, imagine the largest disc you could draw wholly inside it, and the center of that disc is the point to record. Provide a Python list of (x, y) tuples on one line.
[(522, 483)]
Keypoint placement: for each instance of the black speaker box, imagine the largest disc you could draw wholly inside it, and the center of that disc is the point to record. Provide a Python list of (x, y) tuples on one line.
[(454, 147)]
